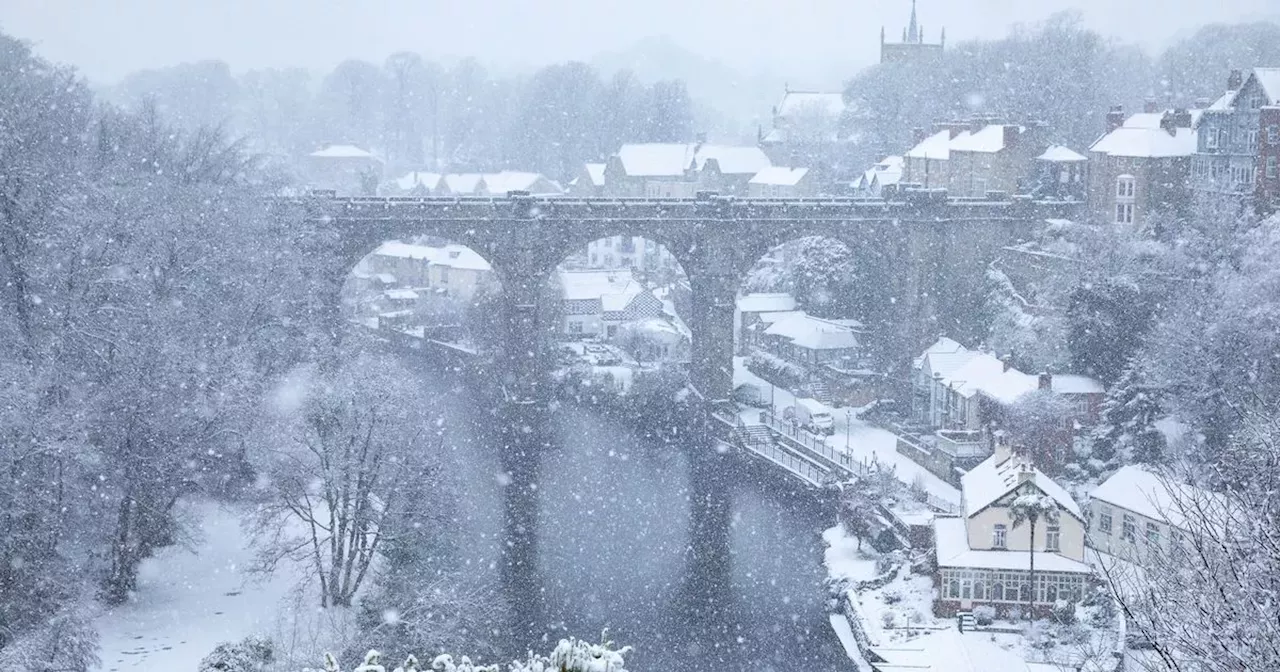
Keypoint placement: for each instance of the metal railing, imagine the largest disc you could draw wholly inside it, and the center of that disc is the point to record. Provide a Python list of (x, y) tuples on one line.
[(794, 435), (797, 466)]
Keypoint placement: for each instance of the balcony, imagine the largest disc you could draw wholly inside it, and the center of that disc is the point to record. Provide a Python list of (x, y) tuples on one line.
[(962, 443)]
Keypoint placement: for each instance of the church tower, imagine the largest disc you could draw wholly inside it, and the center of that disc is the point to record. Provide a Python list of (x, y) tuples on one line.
[(913, 46)]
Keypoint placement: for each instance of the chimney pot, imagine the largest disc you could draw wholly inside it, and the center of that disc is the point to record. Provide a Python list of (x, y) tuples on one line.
[(1046, 381)]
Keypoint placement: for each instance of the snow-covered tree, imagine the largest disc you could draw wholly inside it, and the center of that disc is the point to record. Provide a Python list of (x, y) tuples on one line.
[(1126, 432), (1207, 601)]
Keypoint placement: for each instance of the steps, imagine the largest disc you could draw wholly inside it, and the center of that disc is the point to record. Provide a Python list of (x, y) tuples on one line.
[(967, 621), (754, 435)]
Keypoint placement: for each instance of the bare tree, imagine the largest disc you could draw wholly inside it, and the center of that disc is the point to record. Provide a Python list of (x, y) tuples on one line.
[(351, 444), (1206, 598)]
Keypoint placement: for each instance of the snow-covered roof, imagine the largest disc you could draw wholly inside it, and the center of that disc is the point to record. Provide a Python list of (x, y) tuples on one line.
[(952, 539), (988, 140), (416, 179), (941, 346), (1148, 493), (401, 294), (983, 374), (801, 102), (343, 152), (1269, 79), (658, 159), (766, 302), (780, 175), (1060, 154), (596, 172), (1067, 383), (451, 255), (813, 333), (733, 160), (585, 285), (463, 183), (770, 318), (514, 180), (1141, 136), (936, 146), (999, 475)]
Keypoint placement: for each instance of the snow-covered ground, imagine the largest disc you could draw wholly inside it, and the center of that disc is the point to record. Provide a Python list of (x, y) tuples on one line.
[(864, 442), (189, 601), (843, 558)]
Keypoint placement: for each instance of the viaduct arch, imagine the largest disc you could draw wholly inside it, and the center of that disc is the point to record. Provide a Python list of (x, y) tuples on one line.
[(934, 244)]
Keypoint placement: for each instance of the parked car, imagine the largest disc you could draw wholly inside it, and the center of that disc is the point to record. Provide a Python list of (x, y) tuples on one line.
[(750, 394), (812, 415)]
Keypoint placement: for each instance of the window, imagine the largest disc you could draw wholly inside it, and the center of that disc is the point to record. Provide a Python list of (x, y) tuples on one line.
[(1271, 167), (998, 536), (575, 327), (1211, 139), (1273, 135), (1124, 213), (979, 186), (1153, 535), (1104, 520), (1052, 538), (444, 275), (1129, 529), (594, 259), (1253, 138), (1124, 187)]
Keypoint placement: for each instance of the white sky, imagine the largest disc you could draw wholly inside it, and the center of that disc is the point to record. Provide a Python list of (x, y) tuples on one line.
[(108, 38)]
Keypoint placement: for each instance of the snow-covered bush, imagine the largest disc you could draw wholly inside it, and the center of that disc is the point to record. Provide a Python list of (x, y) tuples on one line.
[(984, 614), (888, 618), (251, 654), (892, 595), (1064, 612), (570, 655), (776, 370)]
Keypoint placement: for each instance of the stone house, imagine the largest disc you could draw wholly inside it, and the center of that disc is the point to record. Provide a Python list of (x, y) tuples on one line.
[(1238, 139), (449, 270), (984, 559), (1140, 167), (993, 157), (680, 170)]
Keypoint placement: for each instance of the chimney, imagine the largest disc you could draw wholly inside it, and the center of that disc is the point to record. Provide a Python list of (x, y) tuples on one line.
[(917, 135), (1172, 121), (700, 138), (1011, 134), (1115, 117), (1005, 362), (1026, 472), (1150, 106), (1201, 104), (1235, 80), (1000, 446), (1046, 381), (977, 124)]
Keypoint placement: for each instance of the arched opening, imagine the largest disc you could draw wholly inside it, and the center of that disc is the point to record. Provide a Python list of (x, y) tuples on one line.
[(425, 289), (816, 323), (618, 328)]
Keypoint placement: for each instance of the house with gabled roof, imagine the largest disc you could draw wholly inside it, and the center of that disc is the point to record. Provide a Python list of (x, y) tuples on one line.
[(595, 303), (1238, 139), (983, 558), (680, 170), (1139, 168)]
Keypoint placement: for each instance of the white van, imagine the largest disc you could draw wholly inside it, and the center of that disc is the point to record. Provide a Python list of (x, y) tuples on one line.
[(812, 415)]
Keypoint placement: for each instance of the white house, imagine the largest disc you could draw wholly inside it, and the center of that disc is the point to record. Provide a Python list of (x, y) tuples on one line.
[(811, 341), (596, 303), (984, 559), (1139, 511), (629, 253), (954, 387), (448, 270), (747, 311)]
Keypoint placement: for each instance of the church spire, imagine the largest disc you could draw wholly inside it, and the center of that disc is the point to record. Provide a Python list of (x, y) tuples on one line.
[(913, 30)]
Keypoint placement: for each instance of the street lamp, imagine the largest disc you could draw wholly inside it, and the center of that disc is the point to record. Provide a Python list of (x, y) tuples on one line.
[(848, 428)]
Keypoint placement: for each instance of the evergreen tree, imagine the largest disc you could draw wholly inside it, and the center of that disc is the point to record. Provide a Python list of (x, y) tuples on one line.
[(1127, 431)]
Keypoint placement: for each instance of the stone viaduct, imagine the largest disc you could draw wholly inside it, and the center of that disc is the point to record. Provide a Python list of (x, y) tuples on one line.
[(932, 245)]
